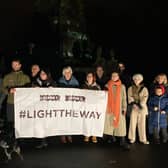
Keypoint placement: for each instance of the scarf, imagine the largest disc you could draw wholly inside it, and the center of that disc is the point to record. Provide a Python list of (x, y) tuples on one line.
[(114, 102)]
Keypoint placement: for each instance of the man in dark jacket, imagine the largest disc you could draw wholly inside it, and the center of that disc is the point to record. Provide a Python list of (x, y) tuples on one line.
[(16, 78)]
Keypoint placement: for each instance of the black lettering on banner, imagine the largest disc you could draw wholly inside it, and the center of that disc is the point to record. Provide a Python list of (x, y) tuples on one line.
[(50, 97), (40, 114), (75, 98), (60, 113)]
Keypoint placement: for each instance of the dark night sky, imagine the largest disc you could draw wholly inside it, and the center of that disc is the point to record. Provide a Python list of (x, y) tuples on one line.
[(133, 28), (136, 28), (15, 19)]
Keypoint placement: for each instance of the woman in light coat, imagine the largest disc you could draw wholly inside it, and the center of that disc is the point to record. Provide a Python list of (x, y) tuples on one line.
[(137, 97), (115, 121)]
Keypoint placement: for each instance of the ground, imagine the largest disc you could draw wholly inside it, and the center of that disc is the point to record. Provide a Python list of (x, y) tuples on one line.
[(80, 155)]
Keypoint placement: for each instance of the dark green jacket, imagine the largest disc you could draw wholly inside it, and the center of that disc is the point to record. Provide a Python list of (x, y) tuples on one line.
[(14, 80)]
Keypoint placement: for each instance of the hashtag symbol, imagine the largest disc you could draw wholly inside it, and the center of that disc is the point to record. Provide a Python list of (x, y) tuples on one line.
[(22, 114)]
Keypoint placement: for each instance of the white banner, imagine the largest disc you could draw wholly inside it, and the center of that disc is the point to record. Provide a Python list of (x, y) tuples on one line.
[(42, 112)]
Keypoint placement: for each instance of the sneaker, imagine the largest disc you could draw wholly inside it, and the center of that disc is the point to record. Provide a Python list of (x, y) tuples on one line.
[(132, 141), (94, 139), (145, 142)]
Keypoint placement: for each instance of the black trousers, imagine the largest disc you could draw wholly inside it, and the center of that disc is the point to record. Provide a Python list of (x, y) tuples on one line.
[(156, 133)]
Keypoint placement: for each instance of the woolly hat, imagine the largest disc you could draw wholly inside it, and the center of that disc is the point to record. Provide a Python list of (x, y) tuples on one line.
[(162, 88), (138, 76)]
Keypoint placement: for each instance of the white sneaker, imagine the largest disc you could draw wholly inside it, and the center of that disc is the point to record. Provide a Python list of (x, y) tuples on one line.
[(132, 141), (145, 142)]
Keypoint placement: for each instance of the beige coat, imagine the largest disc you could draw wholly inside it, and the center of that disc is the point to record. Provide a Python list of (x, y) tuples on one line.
[(143, 96), (121, 129), (138, 115)]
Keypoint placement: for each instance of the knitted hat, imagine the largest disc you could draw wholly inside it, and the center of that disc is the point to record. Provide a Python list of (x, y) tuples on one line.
[(162, 88)]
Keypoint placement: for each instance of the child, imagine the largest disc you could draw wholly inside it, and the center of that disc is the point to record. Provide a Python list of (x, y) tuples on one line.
[(158, 107)]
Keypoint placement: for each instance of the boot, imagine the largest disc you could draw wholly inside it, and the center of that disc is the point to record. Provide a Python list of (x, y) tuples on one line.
[(124, 144), (94, 139), (86, 139)]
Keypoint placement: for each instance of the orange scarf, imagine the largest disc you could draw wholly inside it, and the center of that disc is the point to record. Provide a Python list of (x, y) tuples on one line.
[(114, 96)]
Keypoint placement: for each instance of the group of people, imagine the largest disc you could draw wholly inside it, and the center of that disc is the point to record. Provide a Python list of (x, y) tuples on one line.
[(127, 94)]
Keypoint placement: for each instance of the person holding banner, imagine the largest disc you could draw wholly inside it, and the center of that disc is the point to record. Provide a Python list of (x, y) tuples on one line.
[(91, 84), (67, 81), (15, 79), (115, 120), (44, 80)]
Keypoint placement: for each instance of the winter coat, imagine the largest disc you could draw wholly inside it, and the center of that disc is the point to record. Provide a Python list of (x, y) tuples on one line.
[(14, 80), (156, 105), (94, 86), (140, 98), (72, 83), (120, 131), (101, 81), (44, 83)]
